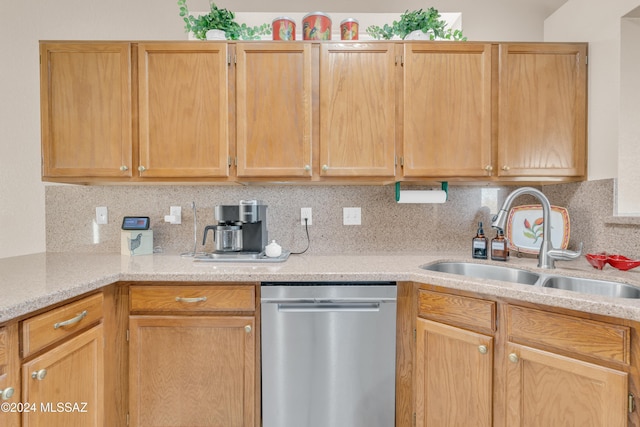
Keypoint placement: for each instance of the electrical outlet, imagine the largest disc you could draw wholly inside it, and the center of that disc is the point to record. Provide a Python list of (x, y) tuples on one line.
[(351, 216), (305, 213), (102, 215)]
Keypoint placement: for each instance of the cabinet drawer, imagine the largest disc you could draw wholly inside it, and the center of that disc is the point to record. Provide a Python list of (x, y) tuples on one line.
[(193, 298), (54, 325), (471, 313), (580, 336)]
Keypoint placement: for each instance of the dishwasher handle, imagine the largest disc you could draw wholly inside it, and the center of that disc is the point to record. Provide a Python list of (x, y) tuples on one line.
[(328, 306)]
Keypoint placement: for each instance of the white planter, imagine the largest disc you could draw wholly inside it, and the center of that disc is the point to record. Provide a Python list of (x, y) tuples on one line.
[(419, 35), (215, 35)]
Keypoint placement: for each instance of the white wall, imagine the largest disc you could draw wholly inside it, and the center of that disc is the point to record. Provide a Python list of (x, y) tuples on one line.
[(599, 24), (23, 23)]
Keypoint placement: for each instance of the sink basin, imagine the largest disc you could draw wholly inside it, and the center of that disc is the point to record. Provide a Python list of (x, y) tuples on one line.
[(485, 271), (592, 286)]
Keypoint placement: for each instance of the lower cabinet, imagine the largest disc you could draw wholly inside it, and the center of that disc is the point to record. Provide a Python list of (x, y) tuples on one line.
[(65, 384), (482, 362), (192, 358), (9, 376)]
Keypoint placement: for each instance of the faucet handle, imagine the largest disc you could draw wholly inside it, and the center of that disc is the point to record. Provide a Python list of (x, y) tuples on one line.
[(564, 254)]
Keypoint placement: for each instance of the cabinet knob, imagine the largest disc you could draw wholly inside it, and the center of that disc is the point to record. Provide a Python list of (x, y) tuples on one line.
[(39, 375), (514, 358), (505, 168), (124, 168), (482, 349), (307, 167), (325, 167), (142, 168), (247, 329), (7, 393), (488, 168)]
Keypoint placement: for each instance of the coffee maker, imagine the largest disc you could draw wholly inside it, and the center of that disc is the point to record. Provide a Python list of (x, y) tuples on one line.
[(240, 228)]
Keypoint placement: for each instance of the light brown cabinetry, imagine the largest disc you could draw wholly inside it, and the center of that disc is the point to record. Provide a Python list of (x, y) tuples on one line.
[(542, 110), (447, 110), (9, 376), (273, 109), (492, 363), (85, 105), (65, 382), (454, 364), (183, 110), (193, 356), (558, 375), (357, 109)]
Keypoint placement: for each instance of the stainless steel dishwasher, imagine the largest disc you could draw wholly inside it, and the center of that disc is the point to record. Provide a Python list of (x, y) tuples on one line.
[(328, 354)]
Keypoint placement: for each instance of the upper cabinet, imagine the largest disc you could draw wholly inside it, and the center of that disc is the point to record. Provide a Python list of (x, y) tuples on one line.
[(447, 110), (542, 110), (273, 111), (357, 109), (380, 111), (183, 110), (85, 102)]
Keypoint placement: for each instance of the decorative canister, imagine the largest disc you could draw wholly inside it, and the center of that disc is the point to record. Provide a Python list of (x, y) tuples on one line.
[(284, 28), (349, 29), (316, 26)]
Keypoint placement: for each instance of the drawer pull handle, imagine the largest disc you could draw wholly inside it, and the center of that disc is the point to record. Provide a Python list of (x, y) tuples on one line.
[(201, 299), (75, 320), (39, 375), (514, 358), (7, 393), (247, 329), (482, 349)]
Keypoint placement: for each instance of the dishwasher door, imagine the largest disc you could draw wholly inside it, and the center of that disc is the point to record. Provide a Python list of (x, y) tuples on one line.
[(328, 355)]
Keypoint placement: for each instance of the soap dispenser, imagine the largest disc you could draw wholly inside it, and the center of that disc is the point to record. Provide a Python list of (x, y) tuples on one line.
[(479, 244), (499, 249)]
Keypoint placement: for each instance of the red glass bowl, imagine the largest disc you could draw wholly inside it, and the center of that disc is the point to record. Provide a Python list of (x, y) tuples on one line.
[(597, 260), (622, 262)]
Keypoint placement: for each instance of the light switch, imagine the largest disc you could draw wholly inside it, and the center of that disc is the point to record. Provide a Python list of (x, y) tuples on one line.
[(351, 216), (102, 215)]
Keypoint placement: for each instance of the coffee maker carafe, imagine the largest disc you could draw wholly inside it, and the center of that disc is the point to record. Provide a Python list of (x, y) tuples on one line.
[(241, 228)]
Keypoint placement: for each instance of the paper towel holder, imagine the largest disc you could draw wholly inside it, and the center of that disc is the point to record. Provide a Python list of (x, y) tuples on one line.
[(444, 185)]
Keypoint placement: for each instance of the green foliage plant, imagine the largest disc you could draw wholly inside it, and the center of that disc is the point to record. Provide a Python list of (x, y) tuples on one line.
[(219, 19), (428, 21)]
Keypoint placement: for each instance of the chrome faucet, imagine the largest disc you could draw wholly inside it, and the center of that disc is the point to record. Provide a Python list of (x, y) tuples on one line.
[(548, 254)]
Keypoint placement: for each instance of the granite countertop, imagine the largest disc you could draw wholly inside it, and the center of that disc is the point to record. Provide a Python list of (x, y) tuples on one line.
[(32, 282)]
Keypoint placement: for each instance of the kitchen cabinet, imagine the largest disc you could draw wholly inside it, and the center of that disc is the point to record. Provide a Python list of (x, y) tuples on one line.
[(357, 109), (193, 356), (454, 365), (9, 376), (86, 113), (183, 110), (549, 381), (65, 382), (274, 110), (542, 110), (447, 106)]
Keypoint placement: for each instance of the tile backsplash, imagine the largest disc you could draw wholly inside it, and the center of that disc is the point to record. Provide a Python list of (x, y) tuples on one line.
[(386, 225)]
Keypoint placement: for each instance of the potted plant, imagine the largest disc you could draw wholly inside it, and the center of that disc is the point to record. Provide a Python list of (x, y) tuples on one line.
[(222, 21), (418, 24)]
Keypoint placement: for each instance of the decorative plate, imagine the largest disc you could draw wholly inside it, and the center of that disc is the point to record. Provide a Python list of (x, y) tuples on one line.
[(524, 228)]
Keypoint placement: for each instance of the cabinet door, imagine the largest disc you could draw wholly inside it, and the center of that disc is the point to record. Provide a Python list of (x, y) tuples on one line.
[(273, 85), (542, 110), (85, 102), (547, 390), (357, 109), (66, 383), (192, 371), (447, 110), (9, 377), (184, 110), (454, 376)]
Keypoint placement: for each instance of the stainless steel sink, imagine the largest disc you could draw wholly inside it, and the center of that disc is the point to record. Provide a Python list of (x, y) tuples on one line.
[(592, 286), (485, 271)]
